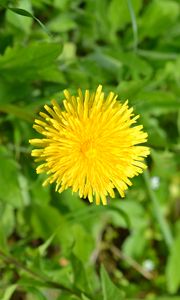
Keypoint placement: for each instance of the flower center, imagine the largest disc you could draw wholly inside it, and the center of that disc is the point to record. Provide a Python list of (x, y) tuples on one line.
[(88, 149)]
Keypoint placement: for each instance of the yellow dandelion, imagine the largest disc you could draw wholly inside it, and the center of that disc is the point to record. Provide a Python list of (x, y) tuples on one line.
[(90, 145)]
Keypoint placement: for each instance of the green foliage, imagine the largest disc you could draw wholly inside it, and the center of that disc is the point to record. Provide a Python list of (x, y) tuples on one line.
[(110, 291), (31, 61), (173, 267), (10, 190), (9, 291), (57, 246)]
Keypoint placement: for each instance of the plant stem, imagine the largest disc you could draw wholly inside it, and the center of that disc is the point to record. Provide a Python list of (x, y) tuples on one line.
[(134, 264), (43, 278), (165, 229), (134, 23)]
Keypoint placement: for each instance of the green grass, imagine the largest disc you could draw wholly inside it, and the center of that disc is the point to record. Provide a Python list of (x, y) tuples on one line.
[(57, 246)]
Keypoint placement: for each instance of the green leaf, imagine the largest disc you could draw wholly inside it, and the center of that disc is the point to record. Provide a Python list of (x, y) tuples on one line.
[(52, 75), (3, 242), (26, 13), (39, 192), (66, 296), (10, 189), (113, 60), (9, 291), (21, 12), (18, 112), (173, 267), (62, 23), (157, 135), (157, 102), (84, 243), (109, 289), (47, 220), (27, 281), (164, 163), (11, 91), (130, 89), (37, 294), (161, 15), (80, 276), (3, 3), (135, 243), (18, 21), (119, 15), (42, 249), (30, 61), (107, 62), (7, 219), (84, 297), (127, 214)]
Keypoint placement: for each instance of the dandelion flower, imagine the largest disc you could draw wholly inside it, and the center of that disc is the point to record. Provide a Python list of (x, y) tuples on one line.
[(90, 145)]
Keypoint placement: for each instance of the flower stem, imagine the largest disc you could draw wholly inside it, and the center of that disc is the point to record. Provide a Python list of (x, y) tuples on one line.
[(164, 227)]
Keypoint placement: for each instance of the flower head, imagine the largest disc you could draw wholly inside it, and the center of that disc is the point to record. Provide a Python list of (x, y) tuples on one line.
[(90, 145)]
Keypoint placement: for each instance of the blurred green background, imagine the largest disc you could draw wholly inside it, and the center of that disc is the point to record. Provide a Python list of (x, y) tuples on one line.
[(57, 246)]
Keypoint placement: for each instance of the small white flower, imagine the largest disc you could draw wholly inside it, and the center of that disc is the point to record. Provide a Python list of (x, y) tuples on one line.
[(148, 265), (155, 182)]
